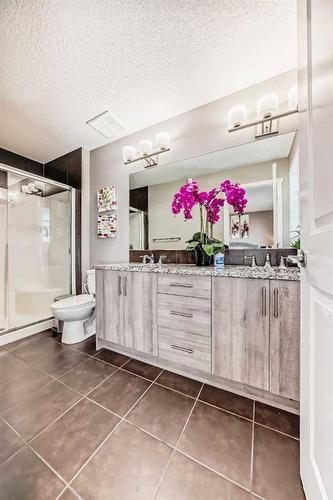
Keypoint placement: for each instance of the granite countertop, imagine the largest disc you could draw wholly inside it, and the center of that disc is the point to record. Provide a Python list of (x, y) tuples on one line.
[(274, 273)]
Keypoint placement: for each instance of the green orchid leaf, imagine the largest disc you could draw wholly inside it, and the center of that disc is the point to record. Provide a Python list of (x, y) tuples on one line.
[(208, 249), (191, 245)]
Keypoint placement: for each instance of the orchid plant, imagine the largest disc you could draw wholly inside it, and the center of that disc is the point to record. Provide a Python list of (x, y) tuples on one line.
[(210, 205)]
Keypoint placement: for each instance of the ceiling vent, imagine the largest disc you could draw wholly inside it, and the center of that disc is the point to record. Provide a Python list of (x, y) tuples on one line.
[(107, 125)]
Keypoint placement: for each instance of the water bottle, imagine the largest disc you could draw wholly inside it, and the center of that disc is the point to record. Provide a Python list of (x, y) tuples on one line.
[(219, 260)]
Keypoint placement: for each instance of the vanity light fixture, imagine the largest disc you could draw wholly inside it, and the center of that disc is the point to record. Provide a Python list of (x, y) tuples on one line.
[(148, 152), (267, 114), (36, 187)]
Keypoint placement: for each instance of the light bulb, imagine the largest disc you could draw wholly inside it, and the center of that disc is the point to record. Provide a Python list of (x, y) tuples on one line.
[(128, 153), (146, 147), (237, 116), (162, 140), (268, 105)]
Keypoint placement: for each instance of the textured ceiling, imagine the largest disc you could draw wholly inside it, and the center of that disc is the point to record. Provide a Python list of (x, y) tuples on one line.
[(62, 62)]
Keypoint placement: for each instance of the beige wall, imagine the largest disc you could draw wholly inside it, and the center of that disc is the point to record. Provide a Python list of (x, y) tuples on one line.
[(162, 223), (196, 132)]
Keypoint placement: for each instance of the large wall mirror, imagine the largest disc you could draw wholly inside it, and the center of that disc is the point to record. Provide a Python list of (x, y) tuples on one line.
[(269, 171)]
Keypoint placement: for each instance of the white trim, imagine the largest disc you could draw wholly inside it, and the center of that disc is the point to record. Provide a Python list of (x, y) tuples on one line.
[(85, 215), (26, 331)]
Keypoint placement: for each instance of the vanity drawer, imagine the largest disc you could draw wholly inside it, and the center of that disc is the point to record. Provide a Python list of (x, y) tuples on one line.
[(185, 348), (190, 286), (186, 314)]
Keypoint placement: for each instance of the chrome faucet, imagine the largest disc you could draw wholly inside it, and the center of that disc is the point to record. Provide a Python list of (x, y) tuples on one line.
[(253, 260), (160, 259), (147, 259), (282, 263), (267, 264)]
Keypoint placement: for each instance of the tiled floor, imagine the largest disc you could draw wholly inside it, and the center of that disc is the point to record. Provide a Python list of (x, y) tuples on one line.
[(76, 423)]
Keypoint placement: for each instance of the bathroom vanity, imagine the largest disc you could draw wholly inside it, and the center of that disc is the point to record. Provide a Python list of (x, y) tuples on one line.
[(237, 328)]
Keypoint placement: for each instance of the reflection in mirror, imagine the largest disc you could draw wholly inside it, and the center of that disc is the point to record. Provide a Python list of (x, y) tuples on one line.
[(267, 169)]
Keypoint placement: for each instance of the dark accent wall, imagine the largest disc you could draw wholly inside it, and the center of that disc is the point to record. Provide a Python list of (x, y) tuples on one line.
[(139, 198), (18, 161), (65, 169)]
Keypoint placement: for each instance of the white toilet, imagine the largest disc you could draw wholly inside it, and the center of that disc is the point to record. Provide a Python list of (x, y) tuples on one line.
[(77, 313)]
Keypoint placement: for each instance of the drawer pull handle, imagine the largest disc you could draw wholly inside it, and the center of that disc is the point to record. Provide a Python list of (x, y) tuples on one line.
[(263, 301), (184, 315), (182, 285), (119, 285), (276, 303), (182, 349)]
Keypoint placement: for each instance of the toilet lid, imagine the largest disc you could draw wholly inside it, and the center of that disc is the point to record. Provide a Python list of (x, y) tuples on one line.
[(75, 302)]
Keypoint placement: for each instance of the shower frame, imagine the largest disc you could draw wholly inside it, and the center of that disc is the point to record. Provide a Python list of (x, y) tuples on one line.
[(26, 174)]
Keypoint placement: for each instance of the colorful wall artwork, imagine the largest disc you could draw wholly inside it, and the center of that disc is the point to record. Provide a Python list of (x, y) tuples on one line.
[(106, 199), (107, 225), (107, 221)]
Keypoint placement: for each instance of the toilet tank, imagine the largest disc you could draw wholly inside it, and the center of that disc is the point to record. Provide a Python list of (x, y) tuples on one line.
[(91, 281)]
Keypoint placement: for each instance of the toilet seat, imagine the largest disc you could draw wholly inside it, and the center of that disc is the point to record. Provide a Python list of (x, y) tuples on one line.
[(75, 302)]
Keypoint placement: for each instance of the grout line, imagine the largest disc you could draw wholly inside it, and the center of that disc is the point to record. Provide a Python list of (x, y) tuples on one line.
[(21, 447), (177, 443), (175, 390), (69, 488), (149, 433), (217, 473), (113, 430), (276, 430), (141, 376), (226, 411), (47, 464), (77, 402)]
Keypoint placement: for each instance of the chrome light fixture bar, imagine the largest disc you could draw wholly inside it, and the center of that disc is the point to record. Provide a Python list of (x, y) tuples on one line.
[(263, 121), (268, 114), (151, 159), (150, 156)]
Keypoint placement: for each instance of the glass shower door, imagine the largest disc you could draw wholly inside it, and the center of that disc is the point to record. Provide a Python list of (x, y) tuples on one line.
[(39, 238)]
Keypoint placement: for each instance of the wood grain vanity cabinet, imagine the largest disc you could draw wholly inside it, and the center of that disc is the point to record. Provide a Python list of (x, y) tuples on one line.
[(285, 338), (125, 312), (238, 333), (240, 330), (184, 320)]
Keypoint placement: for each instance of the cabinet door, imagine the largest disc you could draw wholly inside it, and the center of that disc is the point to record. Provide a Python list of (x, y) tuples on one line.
[(285, 338), (140, 323), (113, 307), (240, 329), (99, 309)]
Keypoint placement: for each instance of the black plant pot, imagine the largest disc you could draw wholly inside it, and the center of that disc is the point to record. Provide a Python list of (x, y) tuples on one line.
[(201, 258)]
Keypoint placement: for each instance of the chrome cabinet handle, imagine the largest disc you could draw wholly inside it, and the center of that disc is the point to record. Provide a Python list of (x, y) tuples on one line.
[(263, 301), (182, 285), (182, 349), (276, 303), (125, 286), (183, 314), (119, 285)]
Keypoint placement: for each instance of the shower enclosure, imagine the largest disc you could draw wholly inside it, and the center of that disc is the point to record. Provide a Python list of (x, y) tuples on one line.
[(36, 261)]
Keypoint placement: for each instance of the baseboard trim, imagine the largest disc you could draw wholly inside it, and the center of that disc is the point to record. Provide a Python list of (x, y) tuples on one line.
[(26, 331)]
